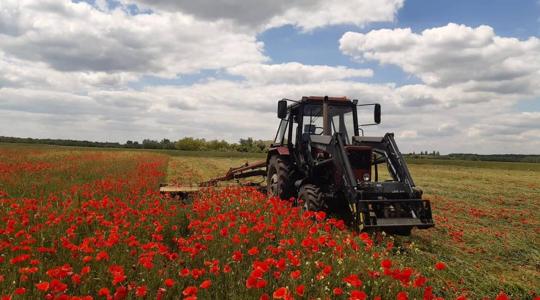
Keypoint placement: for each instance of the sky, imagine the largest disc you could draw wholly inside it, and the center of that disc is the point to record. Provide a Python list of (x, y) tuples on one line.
[(451, 76)]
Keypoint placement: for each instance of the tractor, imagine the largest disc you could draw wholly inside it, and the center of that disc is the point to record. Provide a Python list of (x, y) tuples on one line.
[(321, 159)]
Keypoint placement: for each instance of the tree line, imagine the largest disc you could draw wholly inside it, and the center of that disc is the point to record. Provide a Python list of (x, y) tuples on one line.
[(187, 143), (531, 158)]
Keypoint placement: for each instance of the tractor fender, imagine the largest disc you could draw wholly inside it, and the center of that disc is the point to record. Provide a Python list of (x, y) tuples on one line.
[(280, 150)]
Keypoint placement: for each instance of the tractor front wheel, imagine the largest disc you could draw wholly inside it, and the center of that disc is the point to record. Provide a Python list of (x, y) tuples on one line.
[(311, 197), (278, 179)]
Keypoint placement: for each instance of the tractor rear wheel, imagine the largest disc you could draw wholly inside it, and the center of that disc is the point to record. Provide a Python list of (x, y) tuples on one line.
[(311, 197), (278, 179)]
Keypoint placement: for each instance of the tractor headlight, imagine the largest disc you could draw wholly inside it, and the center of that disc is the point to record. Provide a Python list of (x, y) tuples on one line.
[(366, 177)]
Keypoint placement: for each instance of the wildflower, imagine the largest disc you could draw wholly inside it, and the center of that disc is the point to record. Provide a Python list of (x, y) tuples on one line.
[(353, 280), (320, 216), (58, 286), (402, 296), (206, 284), (102, 256), (386, 263), (338, 291), (169, 282), (296, 274), (76, 279), (20, 291), (300, 290), (502, 296), (141, 291), (253, 251), (237, 256), (280, 293), (440, 266), (121, 292), (42, 286), (189, 291), (358, 295), (104, 292)]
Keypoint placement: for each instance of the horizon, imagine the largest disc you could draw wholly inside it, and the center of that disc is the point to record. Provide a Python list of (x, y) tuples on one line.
[(452, 76), (140, 143)]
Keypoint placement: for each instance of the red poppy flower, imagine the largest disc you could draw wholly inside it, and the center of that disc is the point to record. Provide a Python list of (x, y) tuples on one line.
[(120, 293), (42, 286), (206, 284), (237, 256), (102, 256), (440, 265), (296, 274), (386, 263), (141, 291), (58, 286), (502, 296), (320, 216), (338, 291), (20, 291), (300, 290), (169, 282), (420, 281), (280, 293), (402, 296), (189, 291), (76, 279), (261, 283), (358, 295), (353, 280), (253, 251), (104, 292)]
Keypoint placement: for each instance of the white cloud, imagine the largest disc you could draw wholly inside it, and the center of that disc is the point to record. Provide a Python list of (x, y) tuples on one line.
[(306, 14), (294, 72), (77, 37), (471, 59)]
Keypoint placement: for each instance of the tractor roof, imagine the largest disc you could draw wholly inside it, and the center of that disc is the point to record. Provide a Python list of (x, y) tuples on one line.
[(321, 98)]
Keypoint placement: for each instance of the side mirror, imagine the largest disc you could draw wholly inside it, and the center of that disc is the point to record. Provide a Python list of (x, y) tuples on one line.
[(282, 109), (377, 114)]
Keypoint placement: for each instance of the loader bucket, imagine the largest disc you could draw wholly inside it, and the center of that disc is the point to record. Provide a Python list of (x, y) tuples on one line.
[(391, 214)]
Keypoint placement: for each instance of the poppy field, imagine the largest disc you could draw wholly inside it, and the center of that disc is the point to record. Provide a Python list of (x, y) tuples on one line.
[(90, 224)]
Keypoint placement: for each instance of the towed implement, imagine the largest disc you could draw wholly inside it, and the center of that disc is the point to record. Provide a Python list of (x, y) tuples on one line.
[(321, 159)]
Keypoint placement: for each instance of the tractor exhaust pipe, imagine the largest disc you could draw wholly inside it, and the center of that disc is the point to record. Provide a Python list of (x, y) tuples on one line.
[(326, 120)]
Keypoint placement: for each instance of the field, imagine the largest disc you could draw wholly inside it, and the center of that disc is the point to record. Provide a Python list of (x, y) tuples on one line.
[(87, 223)]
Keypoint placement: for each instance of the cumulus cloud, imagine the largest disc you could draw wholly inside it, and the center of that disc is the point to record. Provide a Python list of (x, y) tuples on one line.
[(77, 37), (294, 72), (306, 14), (475, 59)]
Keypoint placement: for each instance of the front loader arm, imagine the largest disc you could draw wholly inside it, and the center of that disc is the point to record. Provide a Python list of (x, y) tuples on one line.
[(335, 147)]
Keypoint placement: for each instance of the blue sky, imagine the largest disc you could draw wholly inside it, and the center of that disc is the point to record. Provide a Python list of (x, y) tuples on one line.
[(520, 19)]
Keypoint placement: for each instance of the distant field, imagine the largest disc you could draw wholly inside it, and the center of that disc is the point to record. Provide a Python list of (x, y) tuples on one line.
[(70, 217)]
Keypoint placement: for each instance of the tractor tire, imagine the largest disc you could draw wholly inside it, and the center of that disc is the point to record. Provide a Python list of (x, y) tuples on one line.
[(311, 195), (278, 180)]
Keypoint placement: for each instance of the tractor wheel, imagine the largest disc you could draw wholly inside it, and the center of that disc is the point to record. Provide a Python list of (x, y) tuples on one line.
[(278, 179), (311, 195)]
